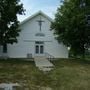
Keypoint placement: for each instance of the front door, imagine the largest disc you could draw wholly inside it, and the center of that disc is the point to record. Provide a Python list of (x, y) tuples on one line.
[(39, 48)]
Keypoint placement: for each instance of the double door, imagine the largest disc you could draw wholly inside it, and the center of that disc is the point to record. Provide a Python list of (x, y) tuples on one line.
[(39, 49)]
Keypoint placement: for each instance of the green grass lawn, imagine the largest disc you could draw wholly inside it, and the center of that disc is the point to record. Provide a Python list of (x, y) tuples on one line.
[(66, 75)]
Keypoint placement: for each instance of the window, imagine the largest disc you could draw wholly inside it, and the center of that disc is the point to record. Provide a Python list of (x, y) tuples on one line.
[(41, 49), (37, 49), (40, 34), (39, 42), (5, 48)]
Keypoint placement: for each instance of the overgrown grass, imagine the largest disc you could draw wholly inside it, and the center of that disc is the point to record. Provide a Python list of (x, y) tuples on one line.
[(66, 75), (71, 75)]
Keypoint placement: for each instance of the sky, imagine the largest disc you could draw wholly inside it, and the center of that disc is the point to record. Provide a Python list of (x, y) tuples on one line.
[(49, 7)]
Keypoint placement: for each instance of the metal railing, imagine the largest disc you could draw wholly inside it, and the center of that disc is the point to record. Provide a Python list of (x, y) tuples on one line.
[(49, 56)]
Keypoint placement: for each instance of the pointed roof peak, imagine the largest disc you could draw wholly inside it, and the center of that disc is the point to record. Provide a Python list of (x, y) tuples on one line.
[(37, 13), (40, 11)]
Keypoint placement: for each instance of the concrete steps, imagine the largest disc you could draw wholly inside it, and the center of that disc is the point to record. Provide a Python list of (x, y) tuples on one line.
[(43, 64)]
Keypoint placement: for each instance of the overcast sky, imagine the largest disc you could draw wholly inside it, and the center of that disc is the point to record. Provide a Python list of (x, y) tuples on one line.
[(49, 7)]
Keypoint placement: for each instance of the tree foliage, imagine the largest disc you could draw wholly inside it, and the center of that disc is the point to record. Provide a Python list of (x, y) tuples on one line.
[(70, 25), (9, 9)]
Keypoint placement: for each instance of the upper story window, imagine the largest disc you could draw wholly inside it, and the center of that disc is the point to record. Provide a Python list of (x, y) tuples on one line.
[(39, 42), (40, 34)]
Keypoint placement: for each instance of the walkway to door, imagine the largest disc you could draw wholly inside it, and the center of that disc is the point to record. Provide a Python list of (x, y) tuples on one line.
[(43, 64)]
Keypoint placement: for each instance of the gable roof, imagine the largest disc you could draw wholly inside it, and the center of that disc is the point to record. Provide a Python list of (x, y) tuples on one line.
[(38, 13)]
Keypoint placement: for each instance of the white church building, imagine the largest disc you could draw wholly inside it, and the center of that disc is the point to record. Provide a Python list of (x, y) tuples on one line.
[(36, 39)]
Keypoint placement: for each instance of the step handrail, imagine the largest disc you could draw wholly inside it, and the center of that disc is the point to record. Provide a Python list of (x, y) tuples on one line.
[(49, 56)]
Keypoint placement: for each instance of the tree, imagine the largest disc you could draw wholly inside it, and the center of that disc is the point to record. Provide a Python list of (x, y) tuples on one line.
[(9, 9), (70, 25)]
